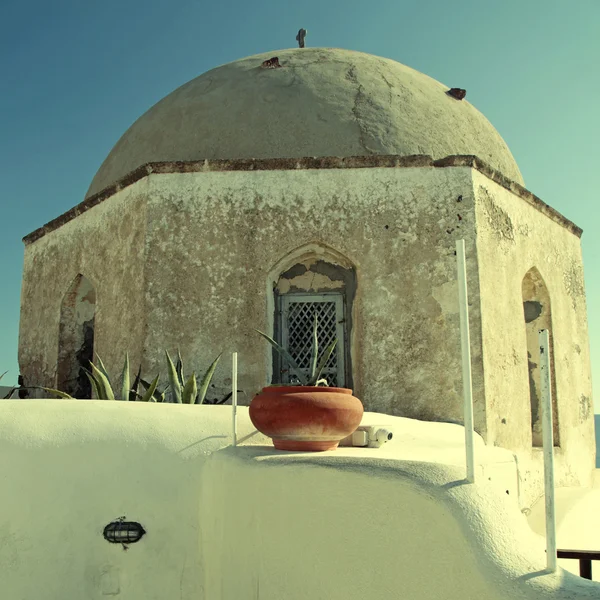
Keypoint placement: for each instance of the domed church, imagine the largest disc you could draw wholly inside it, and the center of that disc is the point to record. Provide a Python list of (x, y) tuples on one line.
[(331, 182)]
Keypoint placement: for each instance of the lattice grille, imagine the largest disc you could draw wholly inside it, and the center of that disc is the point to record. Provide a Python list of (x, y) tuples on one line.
[(300, 323)]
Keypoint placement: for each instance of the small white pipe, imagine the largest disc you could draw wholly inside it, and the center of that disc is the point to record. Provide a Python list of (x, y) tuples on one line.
[(234, 386), (466, 358), (547, 431)]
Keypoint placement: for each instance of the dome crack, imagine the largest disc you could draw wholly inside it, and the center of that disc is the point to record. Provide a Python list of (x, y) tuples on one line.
[(390, 86), (359, 99)]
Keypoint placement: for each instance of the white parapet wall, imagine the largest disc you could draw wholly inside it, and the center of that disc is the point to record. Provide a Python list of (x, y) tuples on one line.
[(577, 524), (249, 522)]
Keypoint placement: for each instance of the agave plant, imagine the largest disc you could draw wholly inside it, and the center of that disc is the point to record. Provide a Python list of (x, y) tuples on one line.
[(316, 368), (182, 391), (186, 392), (223, 399), (7, 397), (157, 395), (100, 381)]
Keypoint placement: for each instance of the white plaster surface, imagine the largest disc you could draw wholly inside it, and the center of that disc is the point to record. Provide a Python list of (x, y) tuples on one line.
[(114, 267), (577, 522), (192, 266), (391, 225), (250, 522), (321, 102)]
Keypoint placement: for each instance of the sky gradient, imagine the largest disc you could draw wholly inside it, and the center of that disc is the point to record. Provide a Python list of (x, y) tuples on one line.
[(76, 75)]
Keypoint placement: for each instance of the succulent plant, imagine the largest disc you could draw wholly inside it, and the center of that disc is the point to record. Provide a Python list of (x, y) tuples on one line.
[(156, 396), (316, 367), (7, 397), (223, 399), (100, 381), (182, 391)]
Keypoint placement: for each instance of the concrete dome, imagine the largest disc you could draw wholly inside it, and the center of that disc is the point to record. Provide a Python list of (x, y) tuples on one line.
[(321, 102)]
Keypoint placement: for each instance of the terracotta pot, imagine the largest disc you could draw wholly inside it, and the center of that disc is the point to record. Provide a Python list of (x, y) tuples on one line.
[(305, 418)]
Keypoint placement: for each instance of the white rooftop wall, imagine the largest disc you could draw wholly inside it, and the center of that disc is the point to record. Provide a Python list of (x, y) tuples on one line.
[(250, 522)]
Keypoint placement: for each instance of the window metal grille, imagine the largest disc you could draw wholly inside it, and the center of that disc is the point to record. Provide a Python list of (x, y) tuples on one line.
[(298, 314)]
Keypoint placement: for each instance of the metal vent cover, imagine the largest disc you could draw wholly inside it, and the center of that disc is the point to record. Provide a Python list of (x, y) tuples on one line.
[(297, 321)]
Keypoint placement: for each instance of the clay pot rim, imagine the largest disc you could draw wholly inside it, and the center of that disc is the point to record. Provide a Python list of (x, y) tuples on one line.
[(306, 388)]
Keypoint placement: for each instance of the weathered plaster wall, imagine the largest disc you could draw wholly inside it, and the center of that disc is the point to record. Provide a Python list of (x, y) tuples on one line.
[(513, 237), (215, 237), (106, 245), (251, 523)]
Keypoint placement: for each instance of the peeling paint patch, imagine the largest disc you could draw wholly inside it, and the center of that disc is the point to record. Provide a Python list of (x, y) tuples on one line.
[(585, 408), (573, 280), (446, 296), (499, 221), (308, 281)]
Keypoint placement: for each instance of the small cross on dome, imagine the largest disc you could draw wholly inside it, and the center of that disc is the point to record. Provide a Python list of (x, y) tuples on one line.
[(300, 37)]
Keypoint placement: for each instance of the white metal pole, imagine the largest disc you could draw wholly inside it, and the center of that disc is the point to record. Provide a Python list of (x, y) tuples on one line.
[(466, 358), (547, 431), (234, 386)]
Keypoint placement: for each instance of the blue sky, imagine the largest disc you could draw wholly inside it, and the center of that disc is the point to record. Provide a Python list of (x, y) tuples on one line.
[(75, 75)]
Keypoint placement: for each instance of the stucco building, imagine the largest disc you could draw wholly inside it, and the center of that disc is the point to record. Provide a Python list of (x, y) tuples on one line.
[(330, 181)]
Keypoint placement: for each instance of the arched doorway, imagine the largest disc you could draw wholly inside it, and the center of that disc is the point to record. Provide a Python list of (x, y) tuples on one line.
[(538, 315), (314, 282), (76, 338)]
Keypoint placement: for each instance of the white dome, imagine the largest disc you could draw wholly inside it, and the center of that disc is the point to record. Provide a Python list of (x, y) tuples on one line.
[(320, 102)]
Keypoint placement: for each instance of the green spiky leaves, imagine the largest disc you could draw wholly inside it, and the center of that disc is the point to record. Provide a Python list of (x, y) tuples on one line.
[(188, 392), (313, 378), (7, 397), (182, 391)]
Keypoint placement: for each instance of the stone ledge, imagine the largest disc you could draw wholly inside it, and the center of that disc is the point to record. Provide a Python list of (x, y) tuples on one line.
[(288, 164)]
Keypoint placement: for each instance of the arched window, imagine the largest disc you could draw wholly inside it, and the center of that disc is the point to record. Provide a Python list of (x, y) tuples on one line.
[(76, 338), (538, 315), (314, 281)]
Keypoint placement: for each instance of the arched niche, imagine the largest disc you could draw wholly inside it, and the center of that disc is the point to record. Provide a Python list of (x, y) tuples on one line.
[(313, 279), (537, 312), (76, 338)]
